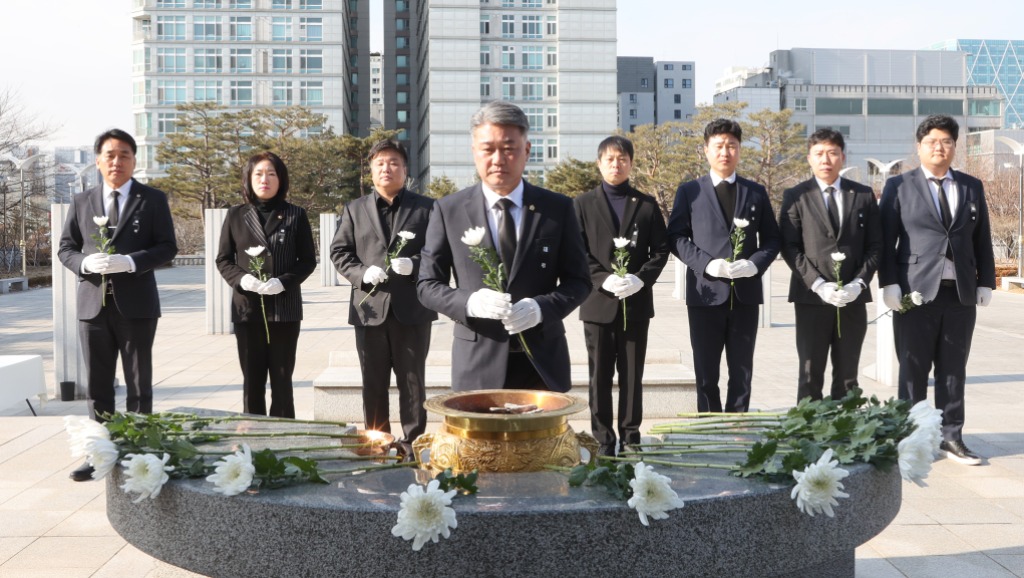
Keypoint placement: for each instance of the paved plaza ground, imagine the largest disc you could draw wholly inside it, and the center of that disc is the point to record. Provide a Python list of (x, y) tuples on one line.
[(967, 522)]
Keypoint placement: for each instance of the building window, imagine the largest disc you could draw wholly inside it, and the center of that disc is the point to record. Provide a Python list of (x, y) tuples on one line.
[(632, 113), (401, 42), (166, 123), (891, 106), (170, 28), (281, 4), (207, 91), (531, 27), (140, 92), (800, 104), (508, 26), (508, 57), (485, 86), (552, 118), (354, 78), (552, 56), (552, 26), (669, 66), (140, 60), (311, 4), (534, 116), (677, 98), (632, 98), (311, 93), (206, 4), (241, 92), (142, 124), (983, 107), (170, 60), (282, 93), (206, 27), (400, 23), (552, 87), (685, 83), (533, 88), (401, 79), (839, 105), (536, 155), (241, 28), (281, 29), (485, 56), (170, 92), (311, 29), (643, 83), (485, 25), (677, 114), (670, 83), (402, 116), (508, 3), (311, 61), (951, 107), (241, 60), (402, 97), (281, 61), (170, 3), (685, 67), (533, 57), (401, 6), (207, 61), (241, 4), (531, 3), (552, 149), (402, 61), (508, 87)]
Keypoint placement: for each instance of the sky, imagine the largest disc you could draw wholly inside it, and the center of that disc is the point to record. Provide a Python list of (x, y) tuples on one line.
[(69, 61)]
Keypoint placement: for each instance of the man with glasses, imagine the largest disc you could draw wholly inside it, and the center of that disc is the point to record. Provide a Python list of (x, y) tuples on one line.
[(937, 241)]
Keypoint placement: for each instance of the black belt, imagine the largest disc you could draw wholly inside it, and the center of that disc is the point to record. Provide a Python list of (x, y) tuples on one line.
[(948, 283)]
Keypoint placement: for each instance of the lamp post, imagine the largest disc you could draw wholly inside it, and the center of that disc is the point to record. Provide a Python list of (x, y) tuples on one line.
[(1018, 150), (21, 164), (884, 168)]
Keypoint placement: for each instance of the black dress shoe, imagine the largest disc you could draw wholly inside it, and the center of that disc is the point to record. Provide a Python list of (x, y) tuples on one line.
[(83, 473), (958, 452)]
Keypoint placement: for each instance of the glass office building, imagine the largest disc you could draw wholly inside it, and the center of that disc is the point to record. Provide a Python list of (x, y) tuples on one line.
[(999, 63)]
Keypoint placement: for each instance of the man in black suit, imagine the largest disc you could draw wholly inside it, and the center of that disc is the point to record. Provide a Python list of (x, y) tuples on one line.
[(544, 265), (723, 287), (937, 241), (821, 217), (392, 328), (117, 299), (617, 314)]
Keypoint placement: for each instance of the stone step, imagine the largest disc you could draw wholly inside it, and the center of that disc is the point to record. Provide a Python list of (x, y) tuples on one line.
[(669, 389), (350, 358)]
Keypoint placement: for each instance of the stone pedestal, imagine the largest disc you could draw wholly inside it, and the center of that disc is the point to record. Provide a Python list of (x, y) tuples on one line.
[(328, 227), (218, 292), (887, 367), (68, 363)]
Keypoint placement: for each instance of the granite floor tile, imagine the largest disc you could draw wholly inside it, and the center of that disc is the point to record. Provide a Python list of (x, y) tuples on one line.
[(75, 552), (966, 565), (1014, 564), (11, 546)]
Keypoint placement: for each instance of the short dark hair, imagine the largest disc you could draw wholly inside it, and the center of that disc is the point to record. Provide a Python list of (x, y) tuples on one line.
[(387, 145), (826, 135), (282, 176), (616, 142), (723, 126), (116, 134), (943, 122)]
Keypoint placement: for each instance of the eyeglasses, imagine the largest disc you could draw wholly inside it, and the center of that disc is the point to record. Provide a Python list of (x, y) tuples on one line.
[(946, 143)]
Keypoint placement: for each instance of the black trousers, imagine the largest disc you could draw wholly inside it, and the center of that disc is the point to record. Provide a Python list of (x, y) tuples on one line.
[(103, 338), (611, 348), (734, 330), (403, 348), (260, 359), (936, 334), (817, 334)]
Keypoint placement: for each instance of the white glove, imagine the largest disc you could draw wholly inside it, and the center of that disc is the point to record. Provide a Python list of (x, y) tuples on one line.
[(742, 268), (401, 265), (891, 296), (718, 268), (271, 287), (250, 283), (613, 284), (374, 276), (96, 263), (119, 264), (827, 292), (633, 284), (984, 296), (489, 304), (525, 314), (851, 292)]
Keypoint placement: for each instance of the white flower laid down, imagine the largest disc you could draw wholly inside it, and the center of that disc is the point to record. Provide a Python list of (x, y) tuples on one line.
[(426, 514), (918, 450), (818, 486), (652, 495)]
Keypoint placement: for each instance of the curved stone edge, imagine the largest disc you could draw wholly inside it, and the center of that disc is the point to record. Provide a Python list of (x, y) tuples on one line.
[(754, 534)]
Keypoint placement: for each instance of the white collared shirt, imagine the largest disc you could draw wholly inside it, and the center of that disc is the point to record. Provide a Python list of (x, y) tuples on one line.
[(953, 198), (715, 179), (835, 197), (122, 198), (494, 214)]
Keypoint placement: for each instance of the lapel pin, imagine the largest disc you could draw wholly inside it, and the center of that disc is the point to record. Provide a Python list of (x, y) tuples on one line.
[(633, 199), (532, 208), (545, 249), (543, 265)]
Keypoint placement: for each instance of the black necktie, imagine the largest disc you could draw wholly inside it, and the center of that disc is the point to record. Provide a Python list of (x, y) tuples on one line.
[(833, 208), (947, 215), (726, 193), (115, 209), (506, 235)]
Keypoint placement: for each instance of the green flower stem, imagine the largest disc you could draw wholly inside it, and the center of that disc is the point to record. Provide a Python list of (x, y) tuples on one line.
[(283, 434), (394, 466), (722, 428), (710, 450), (712, 415), (187, 417), (672, 464)]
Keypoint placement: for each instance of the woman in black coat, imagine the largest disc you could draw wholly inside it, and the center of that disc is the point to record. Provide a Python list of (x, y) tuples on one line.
[(267, 302)]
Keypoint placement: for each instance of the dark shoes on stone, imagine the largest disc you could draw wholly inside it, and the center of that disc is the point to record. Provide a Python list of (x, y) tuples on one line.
[(82, 473), (958, 452), (606, 450)]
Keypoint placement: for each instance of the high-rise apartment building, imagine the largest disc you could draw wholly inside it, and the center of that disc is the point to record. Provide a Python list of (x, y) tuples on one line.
[(242, 54), (655, 92), (998, 63)]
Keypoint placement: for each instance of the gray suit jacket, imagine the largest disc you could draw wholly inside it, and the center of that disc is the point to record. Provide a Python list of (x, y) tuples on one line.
[(145, 233), (550, 266), (808, 239), (914, 240), (360, 243)]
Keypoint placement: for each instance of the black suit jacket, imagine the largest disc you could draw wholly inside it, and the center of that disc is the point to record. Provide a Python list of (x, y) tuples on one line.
[(145, 233), (914, 240), (643, 224), (808, 239), (290, 257), (698, 233), (360, 243), (550, 266)]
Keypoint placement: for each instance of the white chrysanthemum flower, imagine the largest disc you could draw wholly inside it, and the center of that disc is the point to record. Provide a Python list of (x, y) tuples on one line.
[(82, 431), (473, 236), (425, 515), (838, 257), (916, 298), (741, 223), (652, 495), (621, 242), (103, 457), (407, 235), (100, 221), (927, 422), (255, 251), (233, 473), (818, 486), (917, 452), (145, 474)]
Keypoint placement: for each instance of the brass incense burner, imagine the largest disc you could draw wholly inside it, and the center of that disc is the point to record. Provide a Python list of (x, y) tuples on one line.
[(473, 437)]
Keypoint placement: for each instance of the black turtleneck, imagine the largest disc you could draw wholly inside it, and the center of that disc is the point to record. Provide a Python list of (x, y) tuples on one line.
[(266, 208), (617, 195)]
